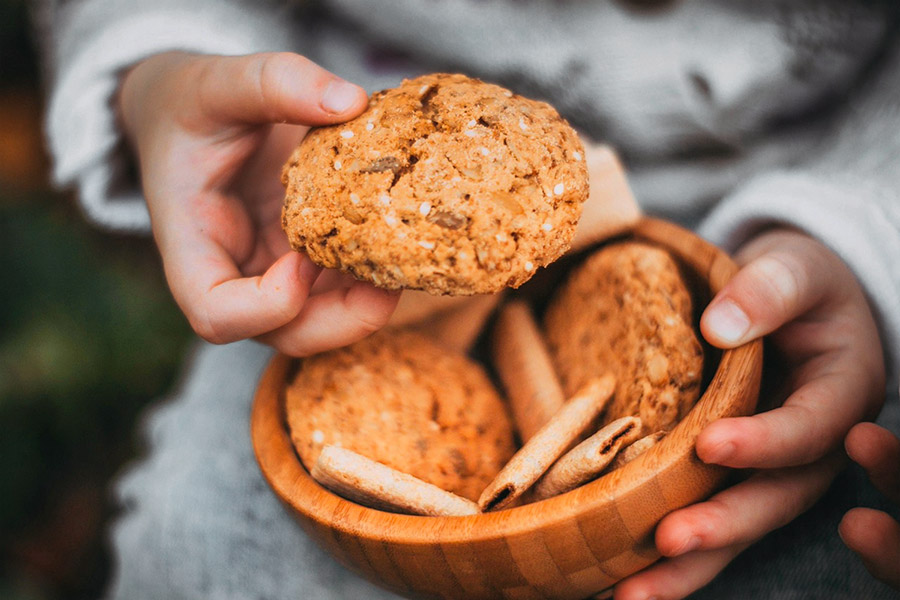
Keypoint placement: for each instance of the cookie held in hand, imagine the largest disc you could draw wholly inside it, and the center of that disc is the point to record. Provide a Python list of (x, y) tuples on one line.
[(445, 184)]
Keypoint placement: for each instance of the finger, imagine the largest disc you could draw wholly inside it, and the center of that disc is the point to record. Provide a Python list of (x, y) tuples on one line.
[(677, 577), (746, 511), (224, 307), (877, 451), (264, 250), (332, 279), (765, 294), (813, 419), (274, 88), (258, 180), (334, 319), (875, 536), (271, 244)]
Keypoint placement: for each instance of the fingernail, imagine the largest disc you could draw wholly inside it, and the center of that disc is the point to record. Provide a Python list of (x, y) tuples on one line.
[(689, 546), (727, 321), (339, 96), (718, 454)]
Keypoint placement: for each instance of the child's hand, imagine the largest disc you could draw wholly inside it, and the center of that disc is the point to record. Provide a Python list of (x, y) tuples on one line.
[(211, 134), (872, 534), (797, 291)]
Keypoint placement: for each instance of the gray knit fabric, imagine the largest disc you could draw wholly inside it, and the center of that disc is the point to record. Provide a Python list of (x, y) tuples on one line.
[(731, 115), (199, 520)]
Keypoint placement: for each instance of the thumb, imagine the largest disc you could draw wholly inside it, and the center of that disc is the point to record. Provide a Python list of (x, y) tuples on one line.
[(772, 289), (276, 87)]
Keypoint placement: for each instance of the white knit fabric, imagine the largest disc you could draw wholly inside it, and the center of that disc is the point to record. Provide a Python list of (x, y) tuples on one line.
[(95, 42)]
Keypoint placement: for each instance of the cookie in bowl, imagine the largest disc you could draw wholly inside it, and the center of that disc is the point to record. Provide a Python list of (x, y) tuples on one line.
[(402, 400), (628, 310)]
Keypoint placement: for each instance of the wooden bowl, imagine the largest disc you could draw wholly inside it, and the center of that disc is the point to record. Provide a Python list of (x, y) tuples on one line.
[(569, 546)]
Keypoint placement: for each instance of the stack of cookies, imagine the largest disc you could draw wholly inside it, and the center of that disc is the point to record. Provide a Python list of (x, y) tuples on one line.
[(456, 187), (399, 422), (624, 315)]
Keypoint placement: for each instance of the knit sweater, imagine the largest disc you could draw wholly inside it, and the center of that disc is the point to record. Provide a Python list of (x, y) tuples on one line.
[(730, 115)]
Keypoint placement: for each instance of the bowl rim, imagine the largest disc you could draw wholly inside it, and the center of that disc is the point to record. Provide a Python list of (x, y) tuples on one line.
[(310, 501)]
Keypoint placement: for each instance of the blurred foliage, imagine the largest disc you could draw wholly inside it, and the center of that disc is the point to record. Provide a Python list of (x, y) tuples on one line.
[(87, 338), (88, 335)]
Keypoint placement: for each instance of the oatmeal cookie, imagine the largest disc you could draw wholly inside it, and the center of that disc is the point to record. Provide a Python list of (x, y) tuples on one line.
[(627, 310), (445, 184), (400, 399)]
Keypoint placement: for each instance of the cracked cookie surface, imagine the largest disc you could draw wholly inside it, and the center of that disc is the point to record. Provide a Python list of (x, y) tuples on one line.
[(445, 184), (626, 309), (402, 400)]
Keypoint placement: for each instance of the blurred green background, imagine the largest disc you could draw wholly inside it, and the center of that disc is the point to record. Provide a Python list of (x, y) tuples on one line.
[(88, 337)]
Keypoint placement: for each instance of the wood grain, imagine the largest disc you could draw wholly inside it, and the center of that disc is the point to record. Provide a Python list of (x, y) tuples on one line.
[(568, 546)]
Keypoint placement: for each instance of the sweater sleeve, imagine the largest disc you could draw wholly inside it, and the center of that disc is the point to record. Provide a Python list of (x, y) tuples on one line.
[(86, 44), (847, 195)]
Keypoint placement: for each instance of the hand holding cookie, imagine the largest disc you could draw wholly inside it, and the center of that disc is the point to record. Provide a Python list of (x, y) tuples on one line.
[(211, 134)]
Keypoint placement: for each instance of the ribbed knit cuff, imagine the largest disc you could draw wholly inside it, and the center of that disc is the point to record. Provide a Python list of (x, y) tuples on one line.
[(83, 136)]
